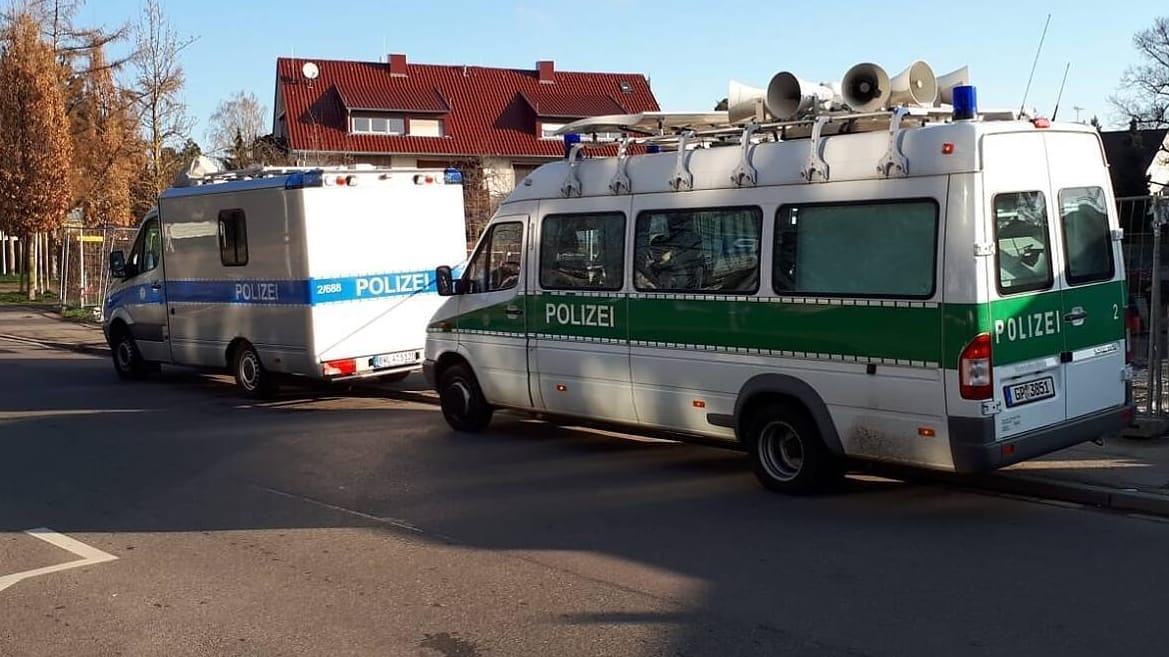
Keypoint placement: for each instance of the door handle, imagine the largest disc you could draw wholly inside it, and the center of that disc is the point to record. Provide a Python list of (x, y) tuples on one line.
[(156, 285), (513, 311), (1076, 316)]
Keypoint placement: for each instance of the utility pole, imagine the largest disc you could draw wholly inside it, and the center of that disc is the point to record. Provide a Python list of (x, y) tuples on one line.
[(1077, 108)]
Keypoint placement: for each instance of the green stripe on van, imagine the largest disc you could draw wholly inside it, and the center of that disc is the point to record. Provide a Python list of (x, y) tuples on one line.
[(1023, 328)]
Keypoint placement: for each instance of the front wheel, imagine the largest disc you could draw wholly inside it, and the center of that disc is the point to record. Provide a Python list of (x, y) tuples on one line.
[(787, 452), (250, 375), (463, 405), (128, 361)]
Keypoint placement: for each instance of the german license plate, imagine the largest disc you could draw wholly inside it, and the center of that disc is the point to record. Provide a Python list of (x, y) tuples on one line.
[(1025, 393), (396, 359)]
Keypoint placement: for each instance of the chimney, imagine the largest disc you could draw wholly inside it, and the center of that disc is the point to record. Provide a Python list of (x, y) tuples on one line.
[(398, 65), (546, 72)]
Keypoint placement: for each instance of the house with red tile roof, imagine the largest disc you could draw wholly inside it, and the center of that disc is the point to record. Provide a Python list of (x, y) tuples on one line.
[(396, 113)]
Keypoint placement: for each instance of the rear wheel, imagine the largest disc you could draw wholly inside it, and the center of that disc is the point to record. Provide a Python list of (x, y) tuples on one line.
[(788, 453), (128, 362), (463, 405), (250, 375)]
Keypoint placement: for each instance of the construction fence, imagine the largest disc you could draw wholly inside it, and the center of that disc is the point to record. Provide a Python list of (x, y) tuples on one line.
[(83, 264), (1146, 259)]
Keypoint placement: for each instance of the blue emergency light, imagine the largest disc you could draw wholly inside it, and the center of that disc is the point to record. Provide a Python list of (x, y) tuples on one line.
[(452, 176), (965, 103), (570, 139)]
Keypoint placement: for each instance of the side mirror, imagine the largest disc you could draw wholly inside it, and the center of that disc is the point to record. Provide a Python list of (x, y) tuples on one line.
[(117, 264), (444, 281)]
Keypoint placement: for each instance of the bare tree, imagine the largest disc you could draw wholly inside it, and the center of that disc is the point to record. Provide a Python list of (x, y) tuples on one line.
[(159, 84), (235, 126), (1144, 95)]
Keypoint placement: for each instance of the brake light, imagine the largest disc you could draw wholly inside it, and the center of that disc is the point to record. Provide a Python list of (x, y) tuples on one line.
[(975, 374), (343, 367)]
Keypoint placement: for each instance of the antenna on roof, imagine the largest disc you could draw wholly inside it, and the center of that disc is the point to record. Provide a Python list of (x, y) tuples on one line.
[(1026, 91), (1060, 94)]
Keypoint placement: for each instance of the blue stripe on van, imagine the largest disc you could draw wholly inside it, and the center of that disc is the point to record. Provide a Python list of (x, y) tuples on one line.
[(374, 286), (250, 292)]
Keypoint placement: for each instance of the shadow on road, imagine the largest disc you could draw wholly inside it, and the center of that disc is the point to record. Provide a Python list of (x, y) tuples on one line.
[(882, 567)]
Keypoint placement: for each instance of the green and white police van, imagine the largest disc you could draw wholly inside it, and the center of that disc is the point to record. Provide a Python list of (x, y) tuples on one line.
[(939, 290)]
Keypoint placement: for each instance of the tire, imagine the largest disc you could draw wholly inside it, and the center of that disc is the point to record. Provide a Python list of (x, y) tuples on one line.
[(463, 405), (251, 377), (787, 452), (128, 362)]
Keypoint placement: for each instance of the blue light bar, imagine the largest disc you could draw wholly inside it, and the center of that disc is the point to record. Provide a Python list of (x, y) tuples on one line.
[(965, 103), (570, 139), (653, 148), (303, 179), (452, 176)]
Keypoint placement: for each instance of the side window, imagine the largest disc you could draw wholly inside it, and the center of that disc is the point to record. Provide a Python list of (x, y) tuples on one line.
[(151, 247), (872, 249), (1022, 250), (496, 265), (135, 257), (582, 251), (1086, 236), (710, 249), (233, 238)]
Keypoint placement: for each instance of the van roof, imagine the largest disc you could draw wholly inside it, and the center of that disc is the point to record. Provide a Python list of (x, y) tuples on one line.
[(931, 149)]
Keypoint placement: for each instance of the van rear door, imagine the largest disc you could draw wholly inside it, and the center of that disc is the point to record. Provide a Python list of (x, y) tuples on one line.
[(1025, 290), (1092, 274)]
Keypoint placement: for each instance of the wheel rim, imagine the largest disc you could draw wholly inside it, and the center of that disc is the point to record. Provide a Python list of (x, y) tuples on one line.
[(249, 371), (781, 451), (124, 355), (457, 399)]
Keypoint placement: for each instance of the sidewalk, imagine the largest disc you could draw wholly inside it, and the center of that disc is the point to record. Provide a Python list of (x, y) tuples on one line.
[(1125, 474), (40, 323)]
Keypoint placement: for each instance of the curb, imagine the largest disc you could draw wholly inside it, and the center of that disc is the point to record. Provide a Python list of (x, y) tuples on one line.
[(1127, 500), (92, 350)]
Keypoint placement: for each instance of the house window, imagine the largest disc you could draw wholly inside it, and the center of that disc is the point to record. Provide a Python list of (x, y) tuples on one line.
[(548, 130), (378, 125), (426, 128)]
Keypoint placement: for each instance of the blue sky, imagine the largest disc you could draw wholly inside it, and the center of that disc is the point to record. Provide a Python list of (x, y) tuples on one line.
[(690, 50)]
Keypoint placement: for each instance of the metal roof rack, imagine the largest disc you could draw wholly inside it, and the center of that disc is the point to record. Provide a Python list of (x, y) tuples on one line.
[(682, 131)]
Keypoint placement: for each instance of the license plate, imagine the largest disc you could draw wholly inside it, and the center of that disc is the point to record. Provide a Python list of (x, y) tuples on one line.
[(1025, 393), (395, 359)]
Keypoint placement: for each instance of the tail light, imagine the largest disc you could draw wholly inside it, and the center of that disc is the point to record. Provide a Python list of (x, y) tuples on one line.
[(339, 367), (975, 374)]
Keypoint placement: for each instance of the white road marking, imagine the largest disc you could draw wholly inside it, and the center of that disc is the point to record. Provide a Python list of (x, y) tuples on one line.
[(89, 556)]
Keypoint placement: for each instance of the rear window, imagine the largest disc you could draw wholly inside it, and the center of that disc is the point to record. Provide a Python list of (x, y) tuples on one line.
[(1023, 250), (1087, 238)]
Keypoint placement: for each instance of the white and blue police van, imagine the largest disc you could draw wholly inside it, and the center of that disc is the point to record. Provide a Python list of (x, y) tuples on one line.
[(324, 273)]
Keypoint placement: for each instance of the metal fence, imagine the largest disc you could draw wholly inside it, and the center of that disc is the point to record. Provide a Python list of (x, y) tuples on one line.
[(1143, 219), (83, 264)]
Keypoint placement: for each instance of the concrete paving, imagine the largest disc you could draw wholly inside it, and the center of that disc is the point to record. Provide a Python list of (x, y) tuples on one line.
[(356, 524)]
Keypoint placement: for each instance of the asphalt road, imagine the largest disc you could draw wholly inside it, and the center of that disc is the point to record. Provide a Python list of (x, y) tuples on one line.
[(326, 524)]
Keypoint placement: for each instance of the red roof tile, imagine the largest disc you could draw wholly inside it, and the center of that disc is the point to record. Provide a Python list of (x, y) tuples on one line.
[(570, 106), (492, 111), (426, 101)]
